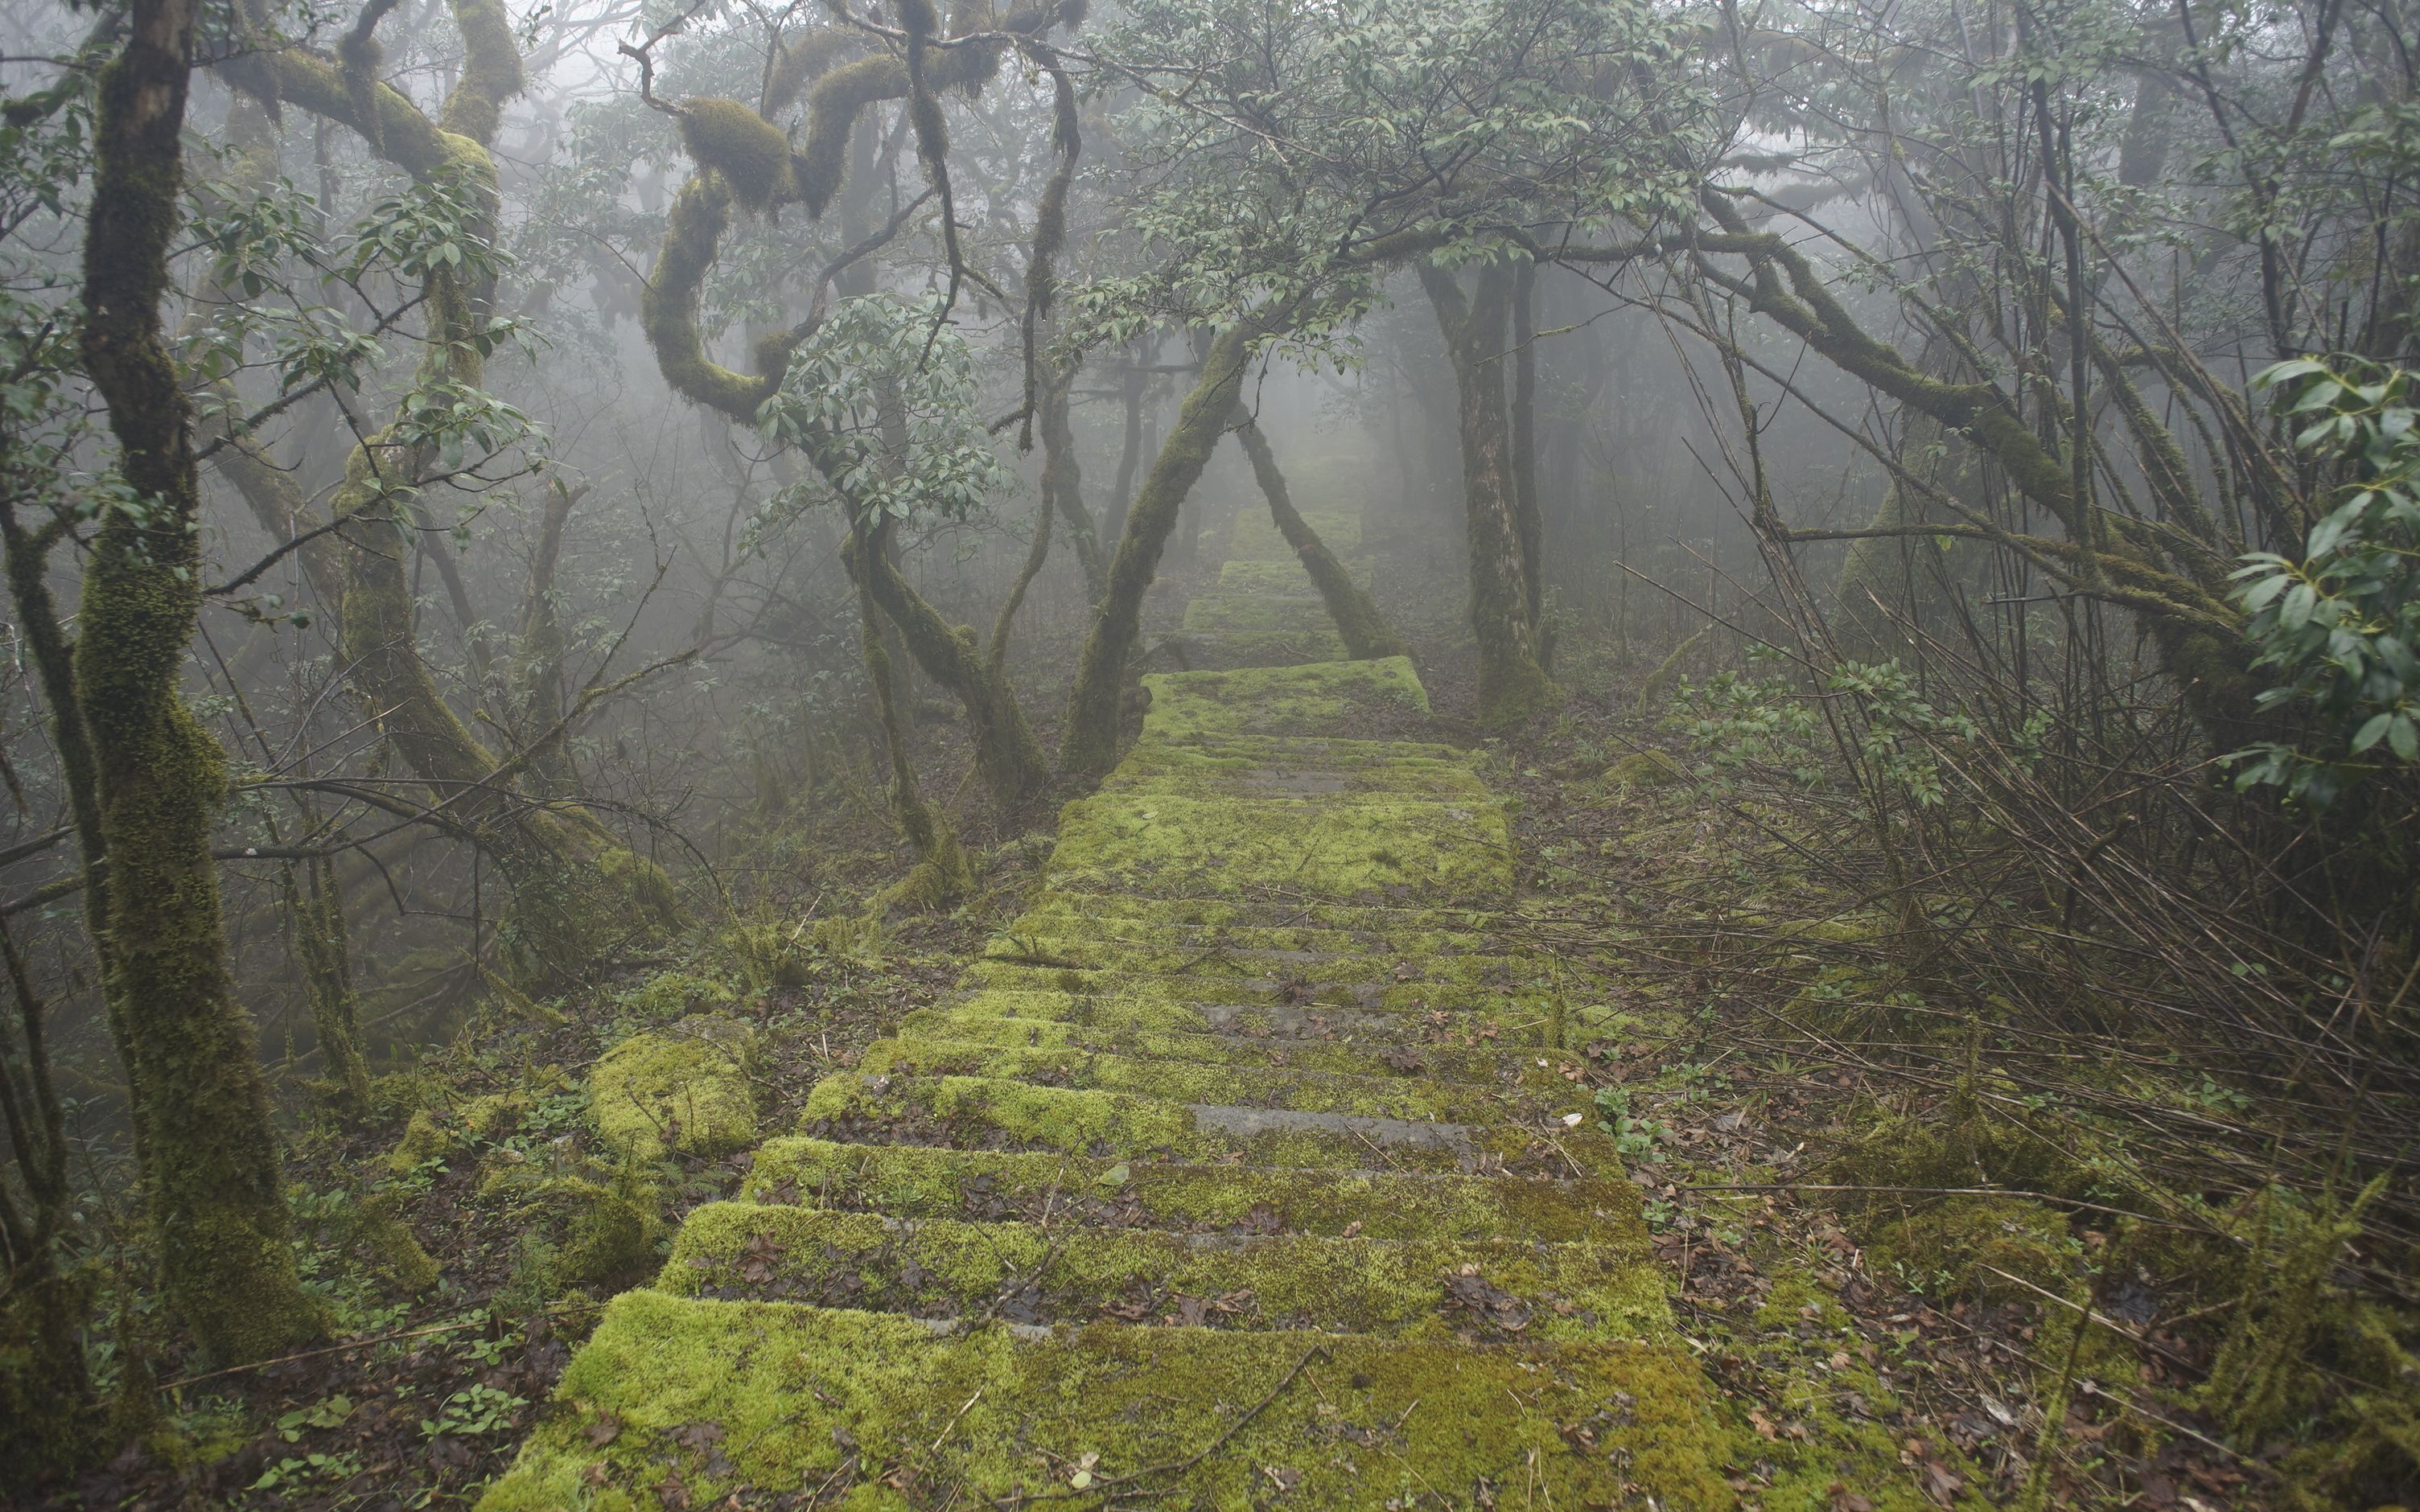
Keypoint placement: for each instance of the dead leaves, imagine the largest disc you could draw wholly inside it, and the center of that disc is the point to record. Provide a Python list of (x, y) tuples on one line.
[(1489, 1304)]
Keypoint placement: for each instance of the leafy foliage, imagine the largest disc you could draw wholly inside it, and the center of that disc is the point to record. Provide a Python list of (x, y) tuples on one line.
[(2339, 625), (882, 398)]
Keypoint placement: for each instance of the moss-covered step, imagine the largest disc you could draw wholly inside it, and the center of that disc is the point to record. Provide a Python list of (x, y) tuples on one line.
[(1285, 578), (1169, 767), (1325, 753), (681, 1402), (1272, 1081), (1338, 1057), (909, 1181), (1000, 1113), (1344, 699), (1274, 913), (1375, 848), (1208, 985), (1105, 951), (1064, 916), (1256, 540), (1292, 623), (952, 1268), (1511, 1022)]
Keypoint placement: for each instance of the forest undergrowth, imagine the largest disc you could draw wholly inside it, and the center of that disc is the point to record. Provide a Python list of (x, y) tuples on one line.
[(1881, 1268), (1894, 1227)]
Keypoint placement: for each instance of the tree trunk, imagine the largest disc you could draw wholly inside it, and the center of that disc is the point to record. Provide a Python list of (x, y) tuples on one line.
[(1365, 631), (317, 916), (212, 1179), (1512, 684), (1129, 449), (1528, 521), (1006, 752), (1062, 482), (1090, 746), (941, 873), (555, 858)]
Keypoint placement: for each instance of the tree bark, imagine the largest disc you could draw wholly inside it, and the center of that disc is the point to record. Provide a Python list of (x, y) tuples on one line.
[(1090, 748), (1006, 752), (212, 1179), (1512, 683), (1062, 482)]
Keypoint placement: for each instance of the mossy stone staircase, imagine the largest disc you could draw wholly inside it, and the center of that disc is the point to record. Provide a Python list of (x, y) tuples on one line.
[(1233, 1176)]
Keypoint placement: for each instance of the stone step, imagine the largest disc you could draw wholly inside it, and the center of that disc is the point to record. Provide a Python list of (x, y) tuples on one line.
[(1004, 1113), (681, 1402), (1375, 850), (906, 1181), (1511, 1022), (1365, 700), (947, 1268), (1111, 951), (1241, 749), (1338, 1057), (1067, 915), (1241, 1083), (1206, 912), (1500, 999)]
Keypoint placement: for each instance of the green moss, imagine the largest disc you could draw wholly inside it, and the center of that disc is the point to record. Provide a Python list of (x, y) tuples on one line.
[(1974, 1244), (1375, 848), (948, 1268), (773, 955), (1644, 769), (671, 993), (1263, 1085), (907, 1182), (1359, 1420), (749, 151), (1331, 698), (573, 1233), (685, 1089), (426, 1138), (1335, 1057), (388, 1246), (993, 1112)]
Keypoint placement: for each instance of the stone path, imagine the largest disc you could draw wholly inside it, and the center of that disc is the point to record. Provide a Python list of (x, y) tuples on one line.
[(1234, 1176)]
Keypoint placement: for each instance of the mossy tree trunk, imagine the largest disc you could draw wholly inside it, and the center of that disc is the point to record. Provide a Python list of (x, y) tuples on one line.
[(1365, 631), (538, 647), (1062, 482), (578, 889), (1006, 752), (1011, 760), (1529, 519), (1129, 450), (211, 1177), (1512, 682), (316, 917), (1091, 745), (941, 873)]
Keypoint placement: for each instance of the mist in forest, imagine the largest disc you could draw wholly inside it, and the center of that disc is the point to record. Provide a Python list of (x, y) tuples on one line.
[(528, 526)]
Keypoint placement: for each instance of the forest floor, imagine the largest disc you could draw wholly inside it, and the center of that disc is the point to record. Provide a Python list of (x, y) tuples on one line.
[(1850, 1383)]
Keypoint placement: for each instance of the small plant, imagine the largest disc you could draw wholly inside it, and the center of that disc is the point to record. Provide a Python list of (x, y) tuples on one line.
[(328, 1414), (1633, 1136), (473, 1413), (291, 1471)]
